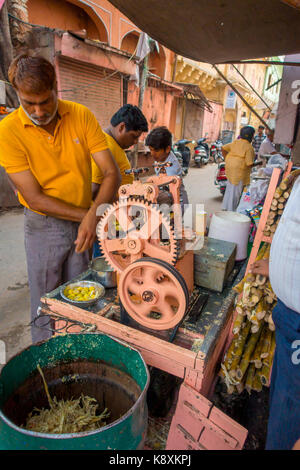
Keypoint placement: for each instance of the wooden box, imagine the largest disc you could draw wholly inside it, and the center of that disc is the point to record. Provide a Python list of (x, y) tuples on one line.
[(214, 263)]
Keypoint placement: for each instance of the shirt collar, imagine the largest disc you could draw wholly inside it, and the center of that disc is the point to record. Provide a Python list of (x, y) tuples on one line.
[(62, 110)]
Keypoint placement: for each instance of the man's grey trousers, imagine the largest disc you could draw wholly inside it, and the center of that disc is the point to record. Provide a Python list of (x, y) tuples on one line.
[(51, 260)]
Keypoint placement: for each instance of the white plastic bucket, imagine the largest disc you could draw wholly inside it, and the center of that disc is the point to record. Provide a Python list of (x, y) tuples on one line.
[(231, 227)]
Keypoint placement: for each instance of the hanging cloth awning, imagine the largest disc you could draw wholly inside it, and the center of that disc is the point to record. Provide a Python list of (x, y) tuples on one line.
[(216, 31)]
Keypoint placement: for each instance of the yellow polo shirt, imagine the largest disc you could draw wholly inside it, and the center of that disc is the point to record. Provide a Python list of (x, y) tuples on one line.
[(238, 161), (120, 158), (60, 163)]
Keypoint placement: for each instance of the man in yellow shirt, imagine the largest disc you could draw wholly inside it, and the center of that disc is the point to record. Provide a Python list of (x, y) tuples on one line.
[(126, 126), (45, 148)]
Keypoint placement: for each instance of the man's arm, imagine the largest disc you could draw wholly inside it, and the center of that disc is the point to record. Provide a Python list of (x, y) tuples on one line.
[(28, 186), (106, 194)]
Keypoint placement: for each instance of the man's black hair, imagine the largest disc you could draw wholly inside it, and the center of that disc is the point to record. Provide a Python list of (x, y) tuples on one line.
[(261, 127), (159, 138), (133, 118)]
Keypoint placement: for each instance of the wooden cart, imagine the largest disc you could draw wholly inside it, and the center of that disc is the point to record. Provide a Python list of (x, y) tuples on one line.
[(194, 357)]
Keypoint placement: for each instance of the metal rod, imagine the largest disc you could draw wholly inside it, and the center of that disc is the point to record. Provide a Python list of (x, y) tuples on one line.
[(267, 62), (241, 97), (274, 84), (253, 89)]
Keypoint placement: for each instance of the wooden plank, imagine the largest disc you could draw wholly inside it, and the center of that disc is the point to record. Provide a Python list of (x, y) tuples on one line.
[(135, 337), (263, 218), (229, 425)]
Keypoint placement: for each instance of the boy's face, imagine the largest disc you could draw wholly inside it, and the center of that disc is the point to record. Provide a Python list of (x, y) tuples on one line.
[(161, 154)]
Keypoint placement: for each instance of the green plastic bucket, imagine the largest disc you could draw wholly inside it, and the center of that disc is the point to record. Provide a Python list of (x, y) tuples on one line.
[(94, 364)]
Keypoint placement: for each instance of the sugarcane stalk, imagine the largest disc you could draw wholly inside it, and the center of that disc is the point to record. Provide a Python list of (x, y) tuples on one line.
[(267, 343), (250, 346), (256, 383), (271, 323), (230, 352), (240, 308), (261, 309), (238, 323), (256, 356), (241, 340), (269, 360), (249, 378)]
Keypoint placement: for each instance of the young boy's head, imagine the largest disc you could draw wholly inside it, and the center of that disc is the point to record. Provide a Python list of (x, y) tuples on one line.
[(159, 141)]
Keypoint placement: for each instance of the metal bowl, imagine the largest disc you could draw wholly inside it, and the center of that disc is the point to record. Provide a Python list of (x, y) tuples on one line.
[(83, 303), (107, 276)]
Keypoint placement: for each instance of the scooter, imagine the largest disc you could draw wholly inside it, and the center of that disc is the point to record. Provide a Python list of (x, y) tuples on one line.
[(183, 152), (216, 151), (220, 178), (201, 152)]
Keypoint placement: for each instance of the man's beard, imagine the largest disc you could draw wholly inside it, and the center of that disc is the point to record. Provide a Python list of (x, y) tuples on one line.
[(45, 123)]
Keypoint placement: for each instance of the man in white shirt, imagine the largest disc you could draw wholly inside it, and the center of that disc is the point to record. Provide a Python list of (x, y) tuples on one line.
[(267, 147), (283, 268)]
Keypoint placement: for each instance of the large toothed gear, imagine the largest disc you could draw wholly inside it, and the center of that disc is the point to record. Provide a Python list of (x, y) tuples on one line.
[(133, 228)]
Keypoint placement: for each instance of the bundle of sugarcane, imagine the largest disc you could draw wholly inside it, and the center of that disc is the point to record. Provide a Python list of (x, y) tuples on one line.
[(253, 327), (256, 298), (249, 359), (278, 203)]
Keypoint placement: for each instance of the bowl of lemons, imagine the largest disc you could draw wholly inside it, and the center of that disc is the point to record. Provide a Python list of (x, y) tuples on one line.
[(82, 293)]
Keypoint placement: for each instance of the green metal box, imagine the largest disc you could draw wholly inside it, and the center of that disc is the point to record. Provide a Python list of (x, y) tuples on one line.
[(213, 263)]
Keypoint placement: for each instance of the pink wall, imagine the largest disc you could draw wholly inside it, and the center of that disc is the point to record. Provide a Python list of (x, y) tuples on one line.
[(212, 121)]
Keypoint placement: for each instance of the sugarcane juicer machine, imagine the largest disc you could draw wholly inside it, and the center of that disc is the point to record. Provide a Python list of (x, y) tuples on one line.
[(147, 246)]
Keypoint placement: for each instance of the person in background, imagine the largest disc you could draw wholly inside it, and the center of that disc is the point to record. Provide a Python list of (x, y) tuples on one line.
[(159, 141), (283, 269), (45, 147), (126, 127), (258, 139), (268, 148), (239, 159)]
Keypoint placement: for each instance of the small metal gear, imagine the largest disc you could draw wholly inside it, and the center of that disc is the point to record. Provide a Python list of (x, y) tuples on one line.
[(133, 228)]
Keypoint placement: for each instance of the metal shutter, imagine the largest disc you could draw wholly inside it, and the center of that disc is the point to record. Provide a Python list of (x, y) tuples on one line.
[(84, 83)]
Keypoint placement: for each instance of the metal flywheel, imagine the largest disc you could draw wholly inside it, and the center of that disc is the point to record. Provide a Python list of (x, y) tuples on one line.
[(153, 293)]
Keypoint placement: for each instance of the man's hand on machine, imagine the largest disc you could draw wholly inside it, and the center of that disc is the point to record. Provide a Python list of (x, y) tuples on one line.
[(260, 267), (86, 231)]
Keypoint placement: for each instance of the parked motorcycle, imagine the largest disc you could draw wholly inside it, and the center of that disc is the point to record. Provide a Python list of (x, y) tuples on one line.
[(220, 178), (201, 152), (183, 153), (216, 151)]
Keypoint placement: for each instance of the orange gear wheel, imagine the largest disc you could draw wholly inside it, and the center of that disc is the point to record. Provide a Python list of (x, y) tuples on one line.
[(133, 228), (153, 293)]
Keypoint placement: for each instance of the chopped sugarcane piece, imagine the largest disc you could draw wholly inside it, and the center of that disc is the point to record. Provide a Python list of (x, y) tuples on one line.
[(249, 348), (256, 356), (260, 280), (238, 352), (238, 323), (256, 383), (249, 378), (271, 323), (283, 185), (265, 374), (267, 343)]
